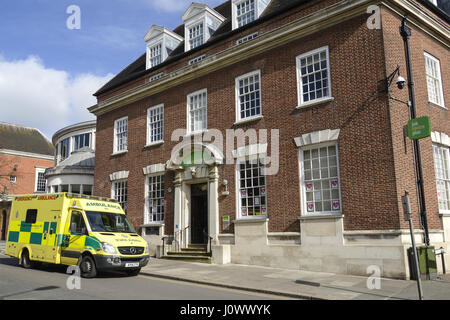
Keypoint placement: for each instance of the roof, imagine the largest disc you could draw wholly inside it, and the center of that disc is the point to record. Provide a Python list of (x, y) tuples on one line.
[(24, 139), (73, 128), (81, 161), (137, 69)]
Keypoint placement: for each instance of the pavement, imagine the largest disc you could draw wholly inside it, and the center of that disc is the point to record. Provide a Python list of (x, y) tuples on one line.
[(295, 283)]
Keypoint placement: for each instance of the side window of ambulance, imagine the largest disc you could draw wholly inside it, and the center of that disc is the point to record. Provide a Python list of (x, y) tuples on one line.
[(77, 225), (31, 216)]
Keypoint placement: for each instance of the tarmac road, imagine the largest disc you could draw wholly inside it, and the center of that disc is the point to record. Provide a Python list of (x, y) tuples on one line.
[(49, 282)]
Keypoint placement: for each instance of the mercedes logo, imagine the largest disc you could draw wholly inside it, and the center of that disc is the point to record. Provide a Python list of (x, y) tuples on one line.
[(133, 250)]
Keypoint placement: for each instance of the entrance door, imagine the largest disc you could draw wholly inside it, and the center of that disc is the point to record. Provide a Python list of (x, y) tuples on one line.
[(3, 225), (199, 213)]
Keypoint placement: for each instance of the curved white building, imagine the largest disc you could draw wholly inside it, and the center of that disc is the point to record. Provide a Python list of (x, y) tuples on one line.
[(74, 159)]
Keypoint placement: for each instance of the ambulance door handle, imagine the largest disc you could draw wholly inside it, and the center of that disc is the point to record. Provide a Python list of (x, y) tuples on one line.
[(51, 231), (45, 235)]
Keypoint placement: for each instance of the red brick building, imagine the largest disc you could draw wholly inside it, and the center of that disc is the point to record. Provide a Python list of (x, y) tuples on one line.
[(310, 75), (25, 153)]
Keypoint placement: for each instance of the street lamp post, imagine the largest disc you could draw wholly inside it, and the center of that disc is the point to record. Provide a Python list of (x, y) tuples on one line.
[(405, 32)]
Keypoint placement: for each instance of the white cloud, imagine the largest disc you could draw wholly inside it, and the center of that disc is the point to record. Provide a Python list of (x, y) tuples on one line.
[(36, 96)]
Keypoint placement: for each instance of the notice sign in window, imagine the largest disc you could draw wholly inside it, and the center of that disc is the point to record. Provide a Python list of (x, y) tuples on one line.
[(419, 128)]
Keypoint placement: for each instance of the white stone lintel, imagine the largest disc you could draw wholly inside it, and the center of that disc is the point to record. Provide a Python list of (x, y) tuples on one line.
[(317, 137)]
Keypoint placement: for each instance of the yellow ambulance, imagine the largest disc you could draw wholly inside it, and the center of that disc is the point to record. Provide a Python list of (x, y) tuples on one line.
[(70, 229)]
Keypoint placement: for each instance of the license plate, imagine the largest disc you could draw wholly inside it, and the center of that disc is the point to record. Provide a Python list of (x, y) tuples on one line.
[(132, 265)]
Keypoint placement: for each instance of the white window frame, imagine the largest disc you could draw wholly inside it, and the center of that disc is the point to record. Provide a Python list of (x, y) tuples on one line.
[(304, 209), (13, 179), (440, 93), (234, 17), (120, 183), (197, 59), (301, 102), (151, 57), (240, 215), (247, 38), (124, 148), (446, 151), (158, 108), (197, 24), (36, 181), (238, 96), (148, 218), (156, 77), (60, 145), (255, 12), (75, 147), (188, 112)]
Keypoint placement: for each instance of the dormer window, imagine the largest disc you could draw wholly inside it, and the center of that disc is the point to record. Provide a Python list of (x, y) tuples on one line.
[(247, 11), (200, 23), (160, 44), (196, 36), (155, 55)]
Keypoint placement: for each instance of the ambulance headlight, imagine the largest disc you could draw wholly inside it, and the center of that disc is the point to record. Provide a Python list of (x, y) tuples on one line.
[(108, 248)]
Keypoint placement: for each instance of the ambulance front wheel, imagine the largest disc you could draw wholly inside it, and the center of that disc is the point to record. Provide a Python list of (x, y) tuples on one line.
[(87, 267), (25, 260)]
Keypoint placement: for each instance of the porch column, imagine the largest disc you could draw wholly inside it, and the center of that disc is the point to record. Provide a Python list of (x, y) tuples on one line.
[(213, 203), (178, 205)]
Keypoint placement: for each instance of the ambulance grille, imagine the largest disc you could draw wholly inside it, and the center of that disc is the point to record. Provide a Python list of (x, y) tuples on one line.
[(131, 251)]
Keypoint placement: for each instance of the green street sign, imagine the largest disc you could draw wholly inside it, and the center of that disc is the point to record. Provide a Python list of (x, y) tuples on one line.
[(419, 128)]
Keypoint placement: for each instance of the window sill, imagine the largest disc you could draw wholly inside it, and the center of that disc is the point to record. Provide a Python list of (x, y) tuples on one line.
[(444, 213), (248, 120), (321, 216), (250, 220), (119, 153), (154, 144), (437, 105), (314, 102), (152, 224), (196, 133)]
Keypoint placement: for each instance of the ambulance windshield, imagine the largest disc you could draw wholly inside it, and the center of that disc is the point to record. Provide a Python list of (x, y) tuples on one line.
[(109, 222)]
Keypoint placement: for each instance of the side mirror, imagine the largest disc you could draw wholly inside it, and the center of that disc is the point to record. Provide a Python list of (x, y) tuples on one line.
[(73, 227)]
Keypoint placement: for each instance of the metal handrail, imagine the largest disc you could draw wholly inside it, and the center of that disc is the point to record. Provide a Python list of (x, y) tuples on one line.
[(184, 232), (175, 238), (179, 242), (208, 246)]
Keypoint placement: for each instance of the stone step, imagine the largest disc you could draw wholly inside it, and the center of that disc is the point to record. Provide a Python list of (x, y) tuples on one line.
[(200, 259), (198, 246), (188, 253), (193, 250)]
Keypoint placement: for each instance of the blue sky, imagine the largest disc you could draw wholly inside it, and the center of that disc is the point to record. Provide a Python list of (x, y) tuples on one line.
[(46, 67)]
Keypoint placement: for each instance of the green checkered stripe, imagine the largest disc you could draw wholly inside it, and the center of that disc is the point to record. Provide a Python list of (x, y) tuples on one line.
[(25, 231), (61, 240)]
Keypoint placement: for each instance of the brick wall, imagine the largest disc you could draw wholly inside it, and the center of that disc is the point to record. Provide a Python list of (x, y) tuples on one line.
[(399, 116), (25, 179), (369, 198), (25, 173)]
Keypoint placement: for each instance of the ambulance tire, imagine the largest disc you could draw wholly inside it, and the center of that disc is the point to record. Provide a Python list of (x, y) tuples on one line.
[(133, 273), (87, 267), (25, 260)]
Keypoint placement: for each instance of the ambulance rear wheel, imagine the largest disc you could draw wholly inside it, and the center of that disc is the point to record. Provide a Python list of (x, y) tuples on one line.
[(87, 267)]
